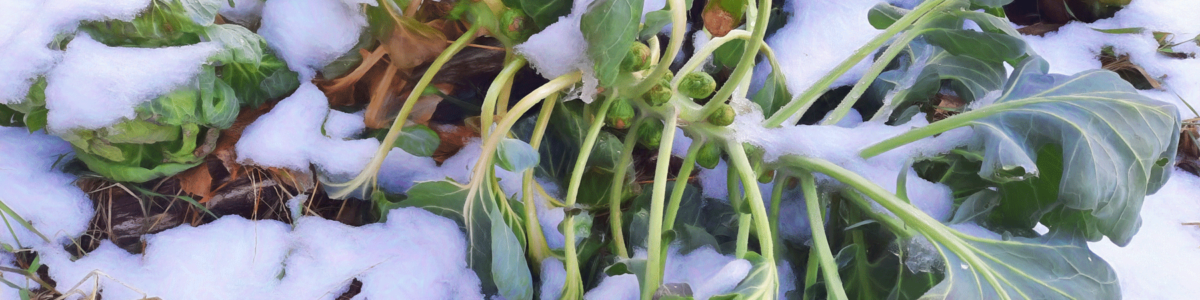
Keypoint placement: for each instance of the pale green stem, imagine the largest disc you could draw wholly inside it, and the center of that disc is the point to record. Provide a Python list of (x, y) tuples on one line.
[(944, 125), (762, 225), (743, 235), (678, 34), (873, 72), (776, 201), (833, 281), (736, 200), (810, 273), (494, 91), (681, 183), (618, 187), (585, 151), (894, 225), (537, 247), (789, 113), (654, 263), (745, 64), (701, 55), (914, 217), (368, 174)]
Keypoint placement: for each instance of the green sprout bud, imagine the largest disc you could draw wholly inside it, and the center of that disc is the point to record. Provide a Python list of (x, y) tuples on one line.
[(620, 114), (516, 25), (637, 59), (708, 156), (766, 176), (723, 116), (659, 94), (650, 134), (697, 85)]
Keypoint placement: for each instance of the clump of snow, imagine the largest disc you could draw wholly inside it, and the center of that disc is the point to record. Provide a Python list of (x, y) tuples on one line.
[(37, 190), (1161, 262), (96, 85), (416, 254), (705, 270), (308, 34), (7, 292), (806, 54), (28, 27), (554, 277)]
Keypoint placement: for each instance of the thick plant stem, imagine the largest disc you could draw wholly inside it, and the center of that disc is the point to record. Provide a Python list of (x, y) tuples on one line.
[(754, 197), (789, 113), (367, 176), (655, 247), (776, 201), (833, 281), (810, 273), (894, 225), (618, 185), (744, 64), (678, 34), (914, 217), (493, 94), (944, 125), (536, 248), (681, 180), (568, 222)]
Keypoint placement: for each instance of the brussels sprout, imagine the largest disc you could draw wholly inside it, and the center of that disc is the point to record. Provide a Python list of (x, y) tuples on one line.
[(697, 85), (650, 134), (709, 156), (659, 94), (766, 176), (637, 59), (516, 24), (620, 114), (723, 116)]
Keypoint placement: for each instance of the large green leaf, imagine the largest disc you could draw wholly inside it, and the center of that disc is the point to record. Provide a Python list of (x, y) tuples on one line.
[(1117, 145), (986, 46), (1055, 266), (508, 261), (610, 26), (545, 12), (203, 12), (922, 69), (883, 15), (239, 44)]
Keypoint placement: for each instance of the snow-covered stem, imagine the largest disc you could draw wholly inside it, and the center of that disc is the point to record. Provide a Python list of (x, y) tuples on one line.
[(536, 248), (494, 92), (911, 215), (618, 185), (833, 281), (655, 260), (745, 64), (792, 111), (369, 173), (681, 180), (678, 34)]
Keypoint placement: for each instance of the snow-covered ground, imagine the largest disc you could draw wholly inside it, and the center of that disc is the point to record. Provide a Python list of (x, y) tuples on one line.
[(234, 258)]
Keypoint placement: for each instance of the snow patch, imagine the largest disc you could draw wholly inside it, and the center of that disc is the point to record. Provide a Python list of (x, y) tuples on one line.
[(37, 190), (309, 34)]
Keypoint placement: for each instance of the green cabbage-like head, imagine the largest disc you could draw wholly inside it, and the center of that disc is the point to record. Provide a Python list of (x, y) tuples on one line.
[(709, 155), (723, 116), (697, 85), (637, 59), (620, 114), (659, 94), (650, 134)]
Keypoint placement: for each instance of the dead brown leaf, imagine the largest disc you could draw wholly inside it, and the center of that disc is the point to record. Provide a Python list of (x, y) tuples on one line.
[(196, 181), (413, 43), (453, 138)]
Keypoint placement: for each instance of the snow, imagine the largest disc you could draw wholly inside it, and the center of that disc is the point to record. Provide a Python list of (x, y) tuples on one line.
[(806, 54), (38, 192), (96, 85), (235, 258), (28, 27), (308, 34), (243, 12), (705, 270), (1162, 261), (553, 277)]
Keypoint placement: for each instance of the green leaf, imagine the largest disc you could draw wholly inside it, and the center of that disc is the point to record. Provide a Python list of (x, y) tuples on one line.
[(1055, 266), (36, 119), (655, 21), (760, 283), (979, 204), (177, 108), (203, 12), (609, 26), (508, 261), (240, 45), (773, 95), (729, 54), (416, 139), (990, 3), (515, 155), (125, 173), (140, 132), (883, 15), (545, 12), (921, 70), (1117, 145), (986, 46), (218, 102)]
